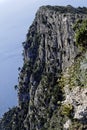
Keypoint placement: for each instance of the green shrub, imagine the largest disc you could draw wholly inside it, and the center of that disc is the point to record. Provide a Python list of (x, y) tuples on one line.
[(80, 29), (67, 110)]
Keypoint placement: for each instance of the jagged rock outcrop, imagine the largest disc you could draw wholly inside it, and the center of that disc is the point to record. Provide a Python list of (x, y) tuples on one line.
[(49, 50)]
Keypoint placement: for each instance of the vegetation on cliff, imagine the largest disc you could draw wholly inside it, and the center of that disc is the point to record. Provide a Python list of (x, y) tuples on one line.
[(54, 70), (81, 33)]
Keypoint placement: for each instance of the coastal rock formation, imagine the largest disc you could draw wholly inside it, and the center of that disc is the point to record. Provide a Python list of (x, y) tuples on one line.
[(45, 97)]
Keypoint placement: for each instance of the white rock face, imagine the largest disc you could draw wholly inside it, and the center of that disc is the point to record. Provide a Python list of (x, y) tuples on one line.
[(78, 95), (78, 98), (81, 108), (67, 124)]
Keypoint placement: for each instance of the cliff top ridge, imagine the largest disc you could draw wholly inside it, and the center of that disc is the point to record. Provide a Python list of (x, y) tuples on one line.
[(66, 9)]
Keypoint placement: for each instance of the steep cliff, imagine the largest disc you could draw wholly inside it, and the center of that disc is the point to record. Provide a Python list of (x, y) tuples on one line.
[(47, 99)]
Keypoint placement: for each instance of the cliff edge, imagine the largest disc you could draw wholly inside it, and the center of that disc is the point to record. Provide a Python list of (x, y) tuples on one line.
[(50, 97)]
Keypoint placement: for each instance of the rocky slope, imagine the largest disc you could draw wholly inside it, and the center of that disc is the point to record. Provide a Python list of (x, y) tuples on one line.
[(49, 95)]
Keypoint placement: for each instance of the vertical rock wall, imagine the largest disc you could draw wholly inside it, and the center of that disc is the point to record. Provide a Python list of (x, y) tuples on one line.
[(48, 50)]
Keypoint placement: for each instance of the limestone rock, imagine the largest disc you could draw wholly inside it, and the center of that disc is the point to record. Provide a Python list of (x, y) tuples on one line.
[(49, 50)]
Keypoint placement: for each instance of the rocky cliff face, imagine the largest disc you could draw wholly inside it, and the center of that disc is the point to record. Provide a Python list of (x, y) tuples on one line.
[(49, 50)]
